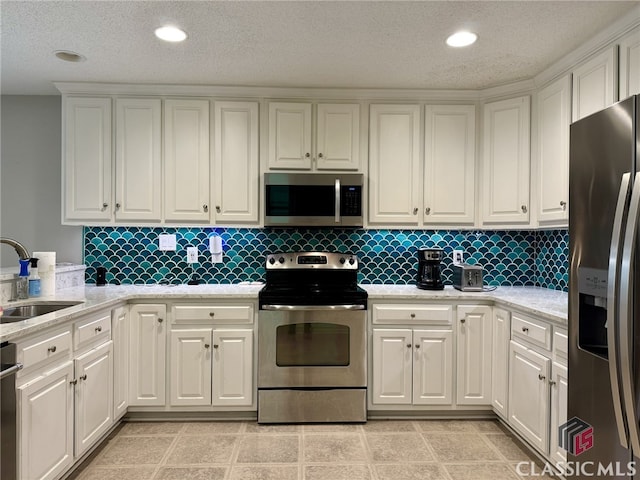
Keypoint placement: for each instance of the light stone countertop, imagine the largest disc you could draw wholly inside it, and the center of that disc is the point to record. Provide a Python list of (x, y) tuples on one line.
[(548, 304)]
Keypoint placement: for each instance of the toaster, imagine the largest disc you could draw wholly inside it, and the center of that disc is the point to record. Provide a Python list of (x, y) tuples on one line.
[(467, 278)]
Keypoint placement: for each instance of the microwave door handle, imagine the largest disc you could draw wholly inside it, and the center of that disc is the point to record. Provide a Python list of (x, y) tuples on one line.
[(337, 200), (627, 293), (613, 307)]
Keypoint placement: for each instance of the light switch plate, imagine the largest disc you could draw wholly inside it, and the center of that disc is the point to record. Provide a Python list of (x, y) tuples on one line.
[(192, 254), (458, 257), (167, 242)]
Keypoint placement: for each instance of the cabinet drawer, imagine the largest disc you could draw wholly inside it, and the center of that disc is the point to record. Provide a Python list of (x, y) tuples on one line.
[(91, 329), (220, 314), (45, 348), (410, 314), (561, 343), (531, 330)]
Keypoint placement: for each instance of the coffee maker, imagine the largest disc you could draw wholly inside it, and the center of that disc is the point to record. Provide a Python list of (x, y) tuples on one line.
[(429, 272)]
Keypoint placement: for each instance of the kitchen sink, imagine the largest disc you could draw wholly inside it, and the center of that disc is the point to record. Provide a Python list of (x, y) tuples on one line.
[(30, 310)]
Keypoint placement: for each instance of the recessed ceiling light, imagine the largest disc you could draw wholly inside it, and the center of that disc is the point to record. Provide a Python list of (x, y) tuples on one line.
[(69, 56), (170, 34), (461, 39)]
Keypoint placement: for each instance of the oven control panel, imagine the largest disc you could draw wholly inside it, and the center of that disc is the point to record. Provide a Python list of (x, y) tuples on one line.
[(316, 260)]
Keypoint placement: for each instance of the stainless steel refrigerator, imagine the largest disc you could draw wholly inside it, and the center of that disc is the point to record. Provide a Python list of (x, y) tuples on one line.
[(604, 300)]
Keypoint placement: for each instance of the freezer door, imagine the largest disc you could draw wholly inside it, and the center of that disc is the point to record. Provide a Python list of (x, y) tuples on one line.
[(601, 152)]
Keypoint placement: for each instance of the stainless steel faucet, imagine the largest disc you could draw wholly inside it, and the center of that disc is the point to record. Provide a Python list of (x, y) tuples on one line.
[(22, 252)]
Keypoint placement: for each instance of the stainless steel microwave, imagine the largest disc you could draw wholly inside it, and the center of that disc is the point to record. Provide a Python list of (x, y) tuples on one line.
[(313, 200)]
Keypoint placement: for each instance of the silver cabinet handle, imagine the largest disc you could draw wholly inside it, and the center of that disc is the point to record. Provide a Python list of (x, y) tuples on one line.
[(205, 207), (215, 345), (52, 349), (117, 206), (83, 377), (541, 377), (413, 315), (417, 345), (320, 155), (307, 155), (563, 204), (415, 211), (462, 320), (206, 345), (73, 382), (552, 383), (212, 314), (104, 206), (427, 211), (160, 320), (218, 209), (408, 345), (98, 329), (525, 329), (524, 208)]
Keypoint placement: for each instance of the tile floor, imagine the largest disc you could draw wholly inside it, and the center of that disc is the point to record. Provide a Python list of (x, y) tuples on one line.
[(377, 450)]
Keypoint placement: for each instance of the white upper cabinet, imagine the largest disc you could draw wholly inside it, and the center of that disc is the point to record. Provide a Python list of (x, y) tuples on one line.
[(449, 164), (595, 84), (236, 162), (554, 107), (394, 164), (138, 159), (337, 136), (87, 159), (186, 160), (630, 64), (506, 161), (290, 135)]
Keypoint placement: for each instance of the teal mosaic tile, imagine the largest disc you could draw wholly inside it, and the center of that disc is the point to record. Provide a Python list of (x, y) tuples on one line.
[(131, 254), (552, 259)]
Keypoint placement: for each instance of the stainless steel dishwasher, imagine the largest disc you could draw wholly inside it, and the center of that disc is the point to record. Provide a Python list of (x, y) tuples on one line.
[(8, 420)]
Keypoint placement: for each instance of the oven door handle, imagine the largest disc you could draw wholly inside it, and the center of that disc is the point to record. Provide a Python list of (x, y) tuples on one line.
[(313, 307)]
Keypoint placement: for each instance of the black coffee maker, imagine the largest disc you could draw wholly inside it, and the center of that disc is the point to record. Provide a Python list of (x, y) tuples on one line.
[(429, 272)]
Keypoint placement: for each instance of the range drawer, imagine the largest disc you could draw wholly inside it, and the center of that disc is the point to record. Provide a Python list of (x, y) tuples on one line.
[(216, 314), (92, 329), (44, 349), (412, 314), (531, 330)]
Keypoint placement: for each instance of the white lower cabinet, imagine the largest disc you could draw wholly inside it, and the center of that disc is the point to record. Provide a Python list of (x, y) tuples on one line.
[(559, 397), (412, 366), (529, 394), (120, 335), (473, 355), (232, 367), (500, 361), (190, 376), (148, 346), (45, 416)]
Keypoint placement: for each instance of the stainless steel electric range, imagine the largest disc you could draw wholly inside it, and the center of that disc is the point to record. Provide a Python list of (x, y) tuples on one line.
[(312, 340)]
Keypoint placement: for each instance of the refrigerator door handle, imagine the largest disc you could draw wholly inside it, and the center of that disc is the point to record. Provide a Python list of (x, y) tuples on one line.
[(612, 307), (626, 317)]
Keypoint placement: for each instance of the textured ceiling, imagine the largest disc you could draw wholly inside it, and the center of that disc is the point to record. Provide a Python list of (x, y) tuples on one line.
[(393, 44)]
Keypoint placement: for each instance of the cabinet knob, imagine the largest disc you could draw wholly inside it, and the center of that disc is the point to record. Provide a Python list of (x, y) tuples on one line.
[(98, 329), (320, 155), (413, 315), (462, 320), (408, 345), (206, 345), (415, 211), (83, 377), (524, 208), (525, 329), (73, 382), (552, 383), (104, 206), (563, 204), (541, 377), (215, 345), (212, 314), (117, 206), (218, 208), (427, 210), (417, 345), (52, 349), (205, 207), (160, 320), (307, 155)]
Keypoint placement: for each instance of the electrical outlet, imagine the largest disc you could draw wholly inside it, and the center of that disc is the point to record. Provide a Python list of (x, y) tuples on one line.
[(458, 257), (192, 254)]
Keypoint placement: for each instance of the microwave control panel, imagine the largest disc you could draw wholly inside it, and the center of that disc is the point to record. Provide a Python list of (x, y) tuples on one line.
[(351, 201)]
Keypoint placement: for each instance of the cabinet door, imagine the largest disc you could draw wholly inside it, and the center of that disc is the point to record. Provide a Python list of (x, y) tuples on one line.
[(338, 140), (500, 361), (120, 336), (233, 367), (147, 354), (138, 159), (559, 397), (394, 164), (474, 355), (506, 161), (392, 362), (186, 160), (449, 160), (236, 162), (630, 64), (45, 432), (87, 159), (595, 84), (191, 367), (554, 103), (432, 367), (529, 395), (290, 135), (94, 396)]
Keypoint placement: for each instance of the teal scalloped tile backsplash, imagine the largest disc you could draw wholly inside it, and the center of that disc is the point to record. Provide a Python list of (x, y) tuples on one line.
[(131, 254)]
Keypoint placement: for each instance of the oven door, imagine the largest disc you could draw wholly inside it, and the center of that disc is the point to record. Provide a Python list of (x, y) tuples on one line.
[(312, 346)]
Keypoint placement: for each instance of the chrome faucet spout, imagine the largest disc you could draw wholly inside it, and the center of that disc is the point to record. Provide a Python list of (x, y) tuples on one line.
[(20, 249)]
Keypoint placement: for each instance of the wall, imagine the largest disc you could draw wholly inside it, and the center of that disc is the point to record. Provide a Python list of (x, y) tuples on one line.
[(131, 255), (30, 170)]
